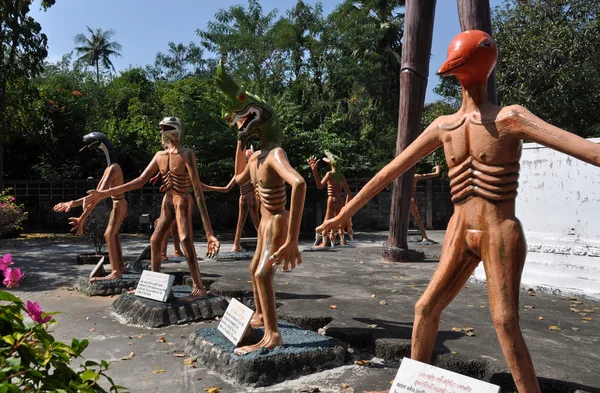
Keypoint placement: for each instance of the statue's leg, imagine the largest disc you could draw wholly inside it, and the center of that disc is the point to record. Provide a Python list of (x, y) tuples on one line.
[(111, 236), (257, 319), (414, 210), (176, 241), (338, 208), (161, 231), (242, 215), (253, 210), (325, 236), (456, 264), (503, 253), (276, 235), (183, 205)]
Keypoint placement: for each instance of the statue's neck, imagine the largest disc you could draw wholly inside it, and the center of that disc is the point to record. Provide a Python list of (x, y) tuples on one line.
[(474, 98)]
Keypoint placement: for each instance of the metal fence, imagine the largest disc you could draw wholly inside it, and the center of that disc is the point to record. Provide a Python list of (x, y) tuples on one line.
[(39, 196)]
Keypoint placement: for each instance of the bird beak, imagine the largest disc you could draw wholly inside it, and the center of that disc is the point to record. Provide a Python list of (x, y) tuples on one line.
[(450, 65)]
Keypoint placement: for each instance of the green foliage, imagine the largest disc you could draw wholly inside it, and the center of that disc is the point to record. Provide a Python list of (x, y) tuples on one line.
[(549, 55), (95, 226), (31, 359), (12, 214), (97, 49), (549, 61)]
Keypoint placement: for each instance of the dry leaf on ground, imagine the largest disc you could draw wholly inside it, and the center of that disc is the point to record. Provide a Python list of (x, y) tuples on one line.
[(554, 327), (159, 371), (129, 357), (333, 306)]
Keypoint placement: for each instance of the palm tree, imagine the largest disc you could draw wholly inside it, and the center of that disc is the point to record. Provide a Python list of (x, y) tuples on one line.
[(97, 49)]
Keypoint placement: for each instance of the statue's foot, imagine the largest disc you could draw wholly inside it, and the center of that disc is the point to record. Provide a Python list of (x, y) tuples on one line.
[(164, 258), (124, 270), (197, 294), (321, 246), (177, 253), (269, 341), (257, 321), (131, 292), (111, 276)]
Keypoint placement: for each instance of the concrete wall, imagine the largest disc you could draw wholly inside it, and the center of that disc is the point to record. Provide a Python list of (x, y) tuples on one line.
[(559, 207)]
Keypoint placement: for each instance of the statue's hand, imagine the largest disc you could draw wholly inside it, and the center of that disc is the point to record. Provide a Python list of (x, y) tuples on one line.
[(312, 161), (213, 246), (63, 207), (90, 201), (331, 225), (77, 223), (288, 254), (154, 179)]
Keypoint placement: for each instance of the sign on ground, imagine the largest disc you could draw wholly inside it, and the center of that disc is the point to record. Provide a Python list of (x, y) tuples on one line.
[(154, 285), (235, 321), (417, 377)]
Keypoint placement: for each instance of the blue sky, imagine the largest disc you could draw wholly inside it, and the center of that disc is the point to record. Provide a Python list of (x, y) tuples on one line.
[(144, 27)]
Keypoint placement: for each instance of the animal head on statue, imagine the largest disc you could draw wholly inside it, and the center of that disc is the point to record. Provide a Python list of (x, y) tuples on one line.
[(249, 112), (334, 161), (99, 141), (472, 56)]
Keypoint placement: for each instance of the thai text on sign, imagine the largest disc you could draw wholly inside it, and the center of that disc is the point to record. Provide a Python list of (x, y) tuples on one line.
[(235, 321), (154, 285), (417, 377)]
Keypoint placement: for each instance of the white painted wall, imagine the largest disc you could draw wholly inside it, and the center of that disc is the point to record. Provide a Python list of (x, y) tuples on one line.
[(559, 207)]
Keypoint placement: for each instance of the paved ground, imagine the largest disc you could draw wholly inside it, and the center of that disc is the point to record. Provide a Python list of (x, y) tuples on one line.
[(365, 292)]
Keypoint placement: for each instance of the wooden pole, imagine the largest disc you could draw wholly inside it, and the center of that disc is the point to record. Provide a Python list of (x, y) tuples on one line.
[(475, 15), (416, 50)]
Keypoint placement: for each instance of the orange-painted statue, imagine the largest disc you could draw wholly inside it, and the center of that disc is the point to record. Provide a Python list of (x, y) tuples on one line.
[(414, 207), (177, 166), (335, 181), (248, 205), (269, 170), (172, 230), (482, 146), (112, 177)]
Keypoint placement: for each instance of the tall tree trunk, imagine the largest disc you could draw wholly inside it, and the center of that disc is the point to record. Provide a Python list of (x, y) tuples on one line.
[(475, 15), (97, 72), (416, 50)]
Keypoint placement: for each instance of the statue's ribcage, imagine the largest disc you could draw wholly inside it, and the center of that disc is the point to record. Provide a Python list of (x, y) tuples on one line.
[(273, 199), (491, 182), (179, 183)]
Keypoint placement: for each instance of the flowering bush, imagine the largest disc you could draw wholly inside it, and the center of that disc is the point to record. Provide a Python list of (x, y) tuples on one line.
[(32, 360), (11, 214)]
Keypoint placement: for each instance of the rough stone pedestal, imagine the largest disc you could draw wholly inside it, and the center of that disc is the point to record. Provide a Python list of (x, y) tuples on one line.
[(396, 254), (151, 313), (107, 287), (236, 256), (303, 352)]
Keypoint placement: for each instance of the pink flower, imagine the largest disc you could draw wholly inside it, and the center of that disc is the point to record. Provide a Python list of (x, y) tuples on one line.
[(12, 277), (35, 312), (5, 262)]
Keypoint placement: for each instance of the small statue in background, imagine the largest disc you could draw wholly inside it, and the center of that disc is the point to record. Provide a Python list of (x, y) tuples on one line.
[(269, 170), (248, 204), (482, 144), (335, 181), (112, 177), (414, 207), (178, 169)]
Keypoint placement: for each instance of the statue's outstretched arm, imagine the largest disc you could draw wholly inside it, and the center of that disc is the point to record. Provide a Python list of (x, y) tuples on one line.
[(312, 161), (532, 128), (426, 143), (97, 195), (431, 175), (227, 188)]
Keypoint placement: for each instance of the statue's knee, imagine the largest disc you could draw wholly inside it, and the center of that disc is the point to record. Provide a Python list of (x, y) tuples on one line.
[(424, 308), (505, 322), (155, 240)]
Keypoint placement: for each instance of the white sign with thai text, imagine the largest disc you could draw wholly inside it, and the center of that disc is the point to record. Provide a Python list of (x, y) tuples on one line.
[(417, 377), (154, 285), (235, 321)]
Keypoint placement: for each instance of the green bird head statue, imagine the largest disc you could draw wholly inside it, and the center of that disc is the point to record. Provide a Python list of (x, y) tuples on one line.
[(334, 161), (249, 112)]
